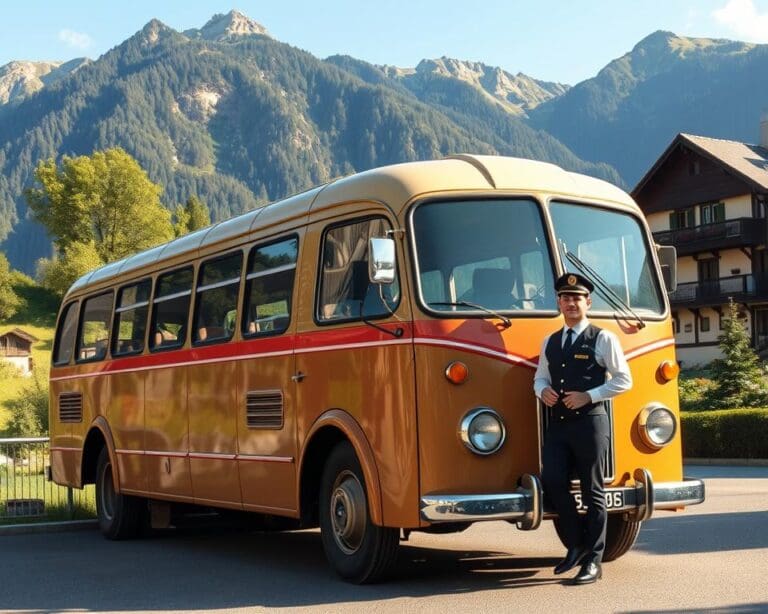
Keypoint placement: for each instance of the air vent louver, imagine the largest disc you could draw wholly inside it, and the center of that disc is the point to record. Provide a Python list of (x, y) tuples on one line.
[(70, 407), (264, 409)]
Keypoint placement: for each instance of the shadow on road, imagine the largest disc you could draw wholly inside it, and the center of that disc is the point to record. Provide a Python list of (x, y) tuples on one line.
[(219, 570), (704, 533)]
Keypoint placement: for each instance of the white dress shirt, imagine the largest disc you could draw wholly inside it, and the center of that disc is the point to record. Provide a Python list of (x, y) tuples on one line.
[(608, 354)]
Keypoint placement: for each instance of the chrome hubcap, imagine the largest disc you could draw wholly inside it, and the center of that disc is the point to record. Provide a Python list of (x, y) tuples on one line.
[(348, 512)]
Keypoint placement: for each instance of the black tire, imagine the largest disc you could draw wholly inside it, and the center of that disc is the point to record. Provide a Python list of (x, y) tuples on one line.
[(358, 550), (120, 516), (620, 536)]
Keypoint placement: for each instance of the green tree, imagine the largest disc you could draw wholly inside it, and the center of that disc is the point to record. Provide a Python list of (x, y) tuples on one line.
[(105, 199), (29, 410), (74, 261), (738, 375), (10, 302), (193, 215)]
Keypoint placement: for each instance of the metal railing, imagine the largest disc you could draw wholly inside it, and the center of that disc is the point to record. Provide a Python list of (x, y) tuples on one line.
[(717, 291), (730, 233), (25, 493)]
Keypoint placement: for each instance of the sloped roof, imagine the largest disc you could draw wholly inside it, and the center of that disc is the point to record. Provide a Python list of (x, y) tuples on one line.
[(20, 333), (747, 161)]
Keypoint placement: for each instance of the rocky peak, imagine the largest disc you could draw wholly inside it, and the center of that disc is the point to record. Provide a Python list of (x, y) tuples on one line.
[(517, 93), (19, 79), (223, 27)]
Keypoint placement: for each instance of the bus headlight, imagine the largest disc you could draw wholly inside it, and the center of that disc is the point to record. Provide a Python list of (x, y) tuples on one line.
[(482, 430), (657, 425)]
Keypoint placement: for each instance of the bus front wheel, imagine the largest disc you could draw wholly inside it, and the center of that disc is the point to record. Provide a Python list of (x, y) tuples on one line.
[(620, 536), (358, 550), (120, 516)]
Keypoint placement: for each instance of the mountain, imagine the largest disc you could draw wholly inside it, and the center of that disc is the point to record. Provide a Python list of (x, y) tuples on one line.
[(517, 93), (20, 79), (237, 118), (636, 105)]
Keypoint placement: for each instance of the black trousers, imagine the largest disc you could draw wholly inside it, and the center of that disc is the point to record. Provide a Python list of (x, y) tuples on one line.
[(578, 445)]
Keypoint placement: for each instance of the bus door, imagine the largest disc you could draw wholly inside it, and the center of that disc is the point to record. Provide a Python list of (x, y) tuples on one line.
[(358, 369), (212, 382), (266, 416)]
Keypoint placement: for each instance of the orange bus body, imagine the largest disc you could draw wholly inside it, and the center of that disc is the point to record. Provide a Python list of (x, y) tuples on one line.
[(249, 423)]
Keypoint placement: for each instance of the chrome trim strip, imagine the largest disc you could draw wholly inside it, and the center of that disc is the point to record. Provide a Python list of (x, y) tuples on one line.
[(272, 271)]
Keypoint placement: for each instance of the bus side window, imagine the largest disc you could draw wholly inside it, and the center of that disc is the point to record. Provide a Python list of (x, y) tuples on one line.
[(269, 288), (65, 335), (94, 327), (218, 284), (344, 283), (170, 309), (131, 318)]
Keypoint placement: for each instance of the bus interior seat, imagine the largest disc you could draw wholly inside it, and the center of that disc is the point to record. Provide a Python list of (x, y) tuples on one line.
[(493, 287)]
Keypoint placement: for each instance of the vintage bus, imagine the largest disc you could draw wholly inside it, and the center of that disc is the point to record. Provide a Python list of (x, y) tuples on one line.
[(360, 357)]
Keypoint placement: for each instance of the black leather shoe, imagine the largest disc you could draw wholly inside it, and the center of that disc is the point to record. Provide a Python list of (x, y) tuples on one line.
[(572, 558), (590, 572)]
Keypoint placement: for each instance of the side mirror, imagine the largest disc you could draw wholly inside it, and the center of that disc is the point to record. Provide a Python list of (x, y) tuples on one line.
[(668, 260), (381, 260)]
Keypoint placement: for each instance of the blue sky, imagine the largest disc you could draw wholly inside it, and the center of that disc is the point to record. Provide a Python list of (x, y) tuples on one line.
[(554, 40)]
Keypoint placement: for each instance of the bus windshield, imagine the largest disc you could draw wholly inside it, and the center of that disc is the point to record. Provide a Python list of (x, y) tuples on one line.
[(613, 244), (479, 255)]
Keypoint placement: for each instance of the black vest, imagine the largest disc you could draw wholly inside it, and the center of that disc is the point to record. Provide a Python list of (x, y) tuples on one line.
[(577, 370)]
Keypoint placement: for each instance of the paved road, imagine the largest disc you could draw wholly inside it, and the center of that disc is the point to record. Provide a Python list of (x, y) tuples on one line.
[(711, 558)]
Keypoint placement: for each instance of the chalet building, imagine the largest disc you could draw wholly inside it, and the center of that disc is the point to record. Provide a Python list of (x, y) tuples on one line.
[(16, 348), (707, 197)]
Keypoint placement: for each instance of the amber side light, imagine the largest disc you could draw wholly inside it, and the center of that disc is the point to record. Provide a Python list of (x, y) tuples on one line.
[(456, 372), (669, 370)]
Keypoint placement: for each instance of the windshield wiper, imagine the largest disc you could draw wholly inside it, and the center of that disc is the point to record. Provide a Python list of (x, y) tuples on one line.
[(613, 299), (495, 314)]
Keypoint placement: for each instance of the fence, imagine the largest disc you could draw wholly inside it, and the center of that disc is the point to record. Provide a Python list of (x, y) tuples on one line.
[(25, 493)]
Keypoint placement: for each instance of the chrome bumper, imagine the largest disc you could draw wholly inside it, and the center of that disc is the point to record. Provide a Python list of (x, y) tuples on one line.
[(524, 506)]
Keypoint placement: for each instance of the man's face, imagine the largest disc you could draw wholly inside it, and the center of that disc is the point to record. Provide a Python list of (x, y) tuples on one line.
[(574, 307)]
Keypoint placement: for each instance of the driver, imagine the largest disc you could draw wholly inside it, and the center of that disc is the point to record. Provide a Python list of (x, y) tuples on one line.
[(571, 381)]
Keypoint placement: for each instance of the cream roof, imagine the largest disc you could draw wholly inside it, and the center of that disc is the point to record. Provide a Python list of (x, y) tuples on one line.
[(394, 185)]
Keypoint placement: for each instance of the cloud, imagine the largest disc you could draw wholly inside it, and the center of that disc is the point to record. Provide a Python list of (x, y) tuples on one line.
[(742, 18), (78, 40)]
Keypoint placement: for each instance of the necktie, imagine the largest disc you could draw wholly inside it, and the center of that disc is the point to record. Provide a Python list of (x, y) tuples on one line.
[(568, 341)]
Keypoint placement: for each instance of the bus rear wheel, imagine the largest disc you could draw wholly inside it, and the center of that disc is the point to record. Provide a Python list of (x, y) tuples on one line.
[(120, 516), (358, 550), (620, 536)]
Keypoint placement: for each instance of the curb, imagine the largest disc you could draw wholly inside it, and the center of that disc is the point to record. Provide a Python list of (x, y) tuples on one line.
[(47, 527), (731, 462)]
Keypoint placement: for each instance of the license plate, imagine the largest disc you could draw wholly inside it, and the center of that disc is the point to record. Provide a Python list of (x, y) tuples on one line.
[(614, 499)]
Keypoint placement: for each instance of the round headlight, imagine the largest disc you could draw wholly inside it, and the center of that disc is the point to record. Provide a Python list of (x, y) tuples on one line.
[(657, 425), (482, 431)]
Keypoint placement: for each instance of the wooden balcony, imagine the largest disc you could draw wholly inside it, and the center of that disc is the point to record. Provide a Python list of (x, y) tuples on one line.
[(741, 232), (741, 288)]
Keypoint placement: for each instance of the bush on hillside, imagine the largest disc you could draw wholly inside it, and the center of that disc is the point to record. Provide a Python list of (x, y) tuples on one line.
[(29, 410)]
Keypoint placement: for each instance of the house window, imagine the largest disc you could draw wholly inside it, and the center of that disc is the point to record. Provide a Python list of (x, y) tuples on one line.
[(675, 323), (682, 218), (704, 324), (712, 213)]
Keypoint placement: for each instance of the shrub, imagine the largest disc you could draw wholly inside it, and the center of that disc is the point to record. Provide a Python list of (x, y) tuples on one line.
[(29, 410), (696, 393), (729, 433)]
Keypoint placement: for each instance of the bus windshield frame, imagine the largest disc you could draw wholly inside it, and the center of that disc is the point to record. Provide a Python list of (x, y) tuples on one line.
[(452, 238), (466, 265)]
